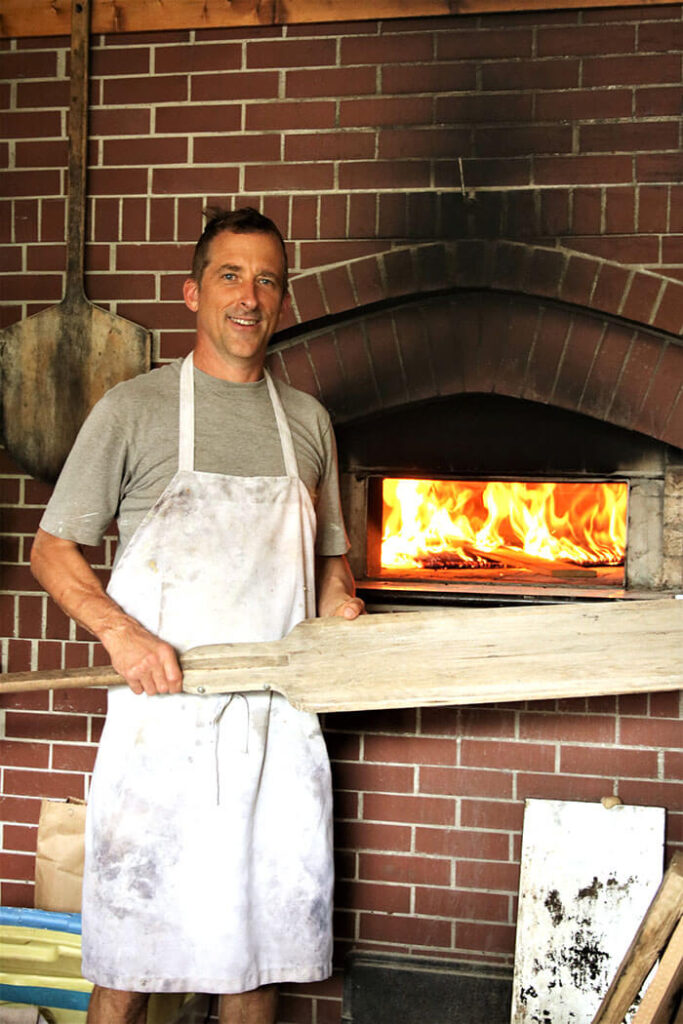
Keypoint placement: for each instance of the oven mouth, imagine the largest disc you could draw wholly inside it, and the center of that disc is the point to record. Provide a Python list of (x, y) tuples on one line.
[(496, 535)]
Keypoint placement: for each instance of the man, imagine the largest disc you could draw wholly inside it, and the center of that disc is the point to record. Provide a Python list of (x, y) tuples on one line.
[(208, 847)]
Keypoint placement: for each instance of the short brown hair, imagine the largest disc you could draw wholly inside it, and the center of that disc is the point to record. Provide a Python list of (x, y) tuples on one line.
[(241, 222)]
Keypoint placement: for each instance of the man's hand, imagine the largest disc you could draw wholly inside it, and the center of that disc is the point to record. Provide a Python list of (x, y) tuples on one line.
[(148, 664), (336, 589)]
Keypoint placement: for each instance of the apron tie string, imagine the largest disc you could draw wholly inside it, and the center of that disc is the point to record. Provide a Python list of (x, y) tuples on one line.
[(216, 722)]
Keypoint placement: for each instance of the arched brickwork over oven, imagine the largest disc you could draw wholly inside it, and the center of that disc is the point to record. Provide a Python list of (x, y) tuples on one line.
[(524, 321)]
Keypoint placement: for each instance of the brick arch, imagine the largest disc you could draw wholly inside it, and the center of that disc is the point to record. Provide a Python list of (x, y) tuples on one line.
[(479, 339)]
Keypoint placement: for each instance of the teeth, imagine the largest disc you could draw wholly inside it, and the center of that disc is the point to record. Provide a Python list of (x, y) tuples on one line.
[(244, 323)]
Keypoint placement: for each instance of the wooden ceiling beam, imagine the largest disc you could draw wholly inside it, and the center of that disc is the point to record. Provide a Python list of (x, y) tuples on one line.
[(20, 19)]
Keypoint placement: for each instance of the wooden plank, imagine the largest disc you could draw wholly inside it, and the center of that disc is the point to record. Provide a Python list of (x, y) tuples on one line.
[(659, 1000), (660, 920), (52, 17), (439, 657)]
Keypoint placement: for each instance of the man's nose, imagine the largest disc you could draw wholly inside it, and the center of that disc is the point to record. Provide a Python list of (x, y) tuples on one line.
[(248, 297)]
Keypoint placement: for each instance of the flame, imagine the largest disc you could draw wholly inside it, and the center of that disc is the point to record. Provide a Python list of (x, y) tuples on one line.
[(456, 523)]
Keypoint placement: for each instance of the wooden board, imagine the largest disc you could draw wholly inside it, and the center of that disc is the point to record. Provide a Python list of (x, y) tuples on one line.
[(660, 930), (437, 657), (588, 874), (57, 364), (51, 17)]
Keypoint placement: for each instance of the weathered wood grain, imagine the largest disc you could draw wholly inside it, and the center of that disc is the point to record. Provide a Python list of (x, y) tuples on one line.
[(438, 657)]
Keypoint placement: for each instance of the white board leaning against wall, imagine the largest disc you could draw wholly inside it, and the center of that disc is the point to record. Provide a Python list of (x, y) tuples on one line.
[(588, 875)]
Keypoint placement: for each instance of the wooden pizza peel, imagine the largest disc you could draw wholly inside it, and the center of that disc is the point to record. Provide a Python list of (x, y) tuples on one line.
[(58, 363), (436, 657)]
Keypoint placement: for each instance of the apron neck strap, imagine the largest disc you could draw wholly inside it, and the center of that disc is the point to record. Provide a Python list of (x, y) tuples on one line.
[(186, 421)]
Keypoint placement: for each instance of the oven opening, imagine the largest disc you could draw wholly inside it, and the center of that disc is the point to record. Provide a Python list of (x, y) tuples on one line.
[(524, 532)]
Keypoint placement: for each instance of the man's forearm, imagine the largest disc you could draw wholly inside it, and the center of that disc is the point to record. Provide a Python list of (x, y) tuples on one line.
[(146, 662), (336, 588)]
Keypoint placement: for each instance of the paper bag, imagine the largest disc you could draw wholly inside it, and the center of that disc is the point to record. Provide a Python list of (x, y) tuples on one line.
[(59, 855)]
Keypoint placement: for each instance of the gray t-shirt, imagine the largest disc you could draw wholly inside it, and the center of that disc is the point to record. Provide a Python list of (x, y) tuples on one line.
[(127, 453)]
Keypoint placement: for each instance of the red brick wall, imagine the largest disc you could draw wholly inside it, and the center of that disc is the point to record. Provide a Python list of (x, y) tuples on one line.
[(566, 129)]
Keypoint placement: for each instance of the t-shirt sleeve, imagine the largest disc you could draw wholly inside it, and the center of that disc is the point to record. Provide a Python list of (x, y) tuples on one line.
[(86, 496), (331, 536)]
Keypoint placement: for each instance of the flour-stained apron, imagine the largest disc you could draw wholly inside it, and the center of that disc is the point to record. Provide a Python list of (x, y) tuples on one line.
[(209, 846)]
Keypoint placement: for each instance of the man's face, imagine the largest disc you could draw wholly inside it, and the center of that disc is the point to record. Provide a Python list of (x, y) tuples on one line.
[(238, 304)]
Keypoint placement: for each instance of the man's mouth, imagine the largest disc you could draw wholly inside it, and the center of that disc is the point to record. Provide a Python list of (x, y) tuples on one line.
[(243, 321)]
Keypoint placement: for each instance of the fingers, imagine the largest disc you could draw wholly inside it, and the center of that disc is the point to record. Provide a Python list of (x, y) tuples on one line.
[(148, 664), (351, 608)]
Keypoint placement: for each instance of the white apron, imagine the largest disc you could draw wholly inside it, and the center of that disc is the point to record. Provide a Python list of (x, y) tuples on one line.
[(209, 837)]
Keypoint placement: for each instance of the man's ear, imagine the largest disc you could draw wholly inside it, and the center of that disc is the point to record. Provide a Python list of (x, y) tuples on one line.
[(191, 294), (284, 307)]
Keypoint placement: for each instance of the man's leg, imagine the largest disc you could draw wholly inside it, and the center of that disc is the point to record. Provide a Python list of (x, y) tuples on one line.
[(110, 1006), (256, 1007)]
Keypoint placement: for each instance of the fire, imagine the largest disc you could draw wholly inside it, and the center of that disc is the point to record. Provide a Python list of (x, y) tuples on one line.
[(451, 524)]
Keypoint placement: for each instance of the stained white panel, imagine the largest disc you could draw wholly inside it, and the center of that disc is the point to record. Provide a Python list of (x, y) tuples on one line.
[(588, 874)]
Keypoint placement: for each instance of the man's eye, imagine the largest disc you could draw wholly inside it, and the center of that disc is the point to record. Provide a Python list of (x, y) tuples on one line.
[(229, 276), (269, 281)]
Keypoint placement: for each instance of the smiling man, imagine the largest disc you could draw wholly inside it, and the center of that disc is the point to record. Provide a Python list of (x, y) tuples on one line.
[(208, 847)]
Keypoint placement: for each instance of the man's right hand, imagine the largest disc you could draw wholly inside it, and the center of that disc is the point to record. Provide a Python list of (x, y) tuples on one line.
[(148, 664)]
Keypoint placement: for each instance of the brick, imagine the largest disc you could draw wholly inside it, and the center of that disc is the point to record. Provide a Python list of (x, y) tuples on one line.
[(234, 85), (24, 754), (299, 371), (382, 899), (383, 350), (665, 704), (639, 250), (193, 58), (610, 763), (673, 764), (376, 778), (627, 138), (415, 750), (491, 814), (667, 167), (149, 152), (531, 74), (16, 895), (85, 701), (73, 758), (295, 177), (520, 141), (411, 931), (401, 49), (620, 210), (406, 869), (30, 183), (587, 211), (610, 288), (631, 70), (17, 865), (463, 844), (19, 809), (389, 174), (658, 101), (445, 352), (365, 835), (146, 90), (330, 146), (414, 809), (42, 94), (195, 180), (462, 904), (367, 280), (338, 289), (567, 728), (603, 379), (507, 755), (330, 82), (485, 937), (40, 154), (645, 732), (489, 875), (568, 170), (585, 40), (579, 281), (669, 315), (237, 149), (560, 787), (652, 794), (52, 727), (578, 104), (362, 215), (639, 367), (29, 65), (43, 784), (465, 781), (302, 115), (470, 45), (480, 173), (431, 78), (434, 143), (361, 396), (385, 111), (288, 53), (117, 181), (482, 108), (19, 838), (413, 344), (308, 296)]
